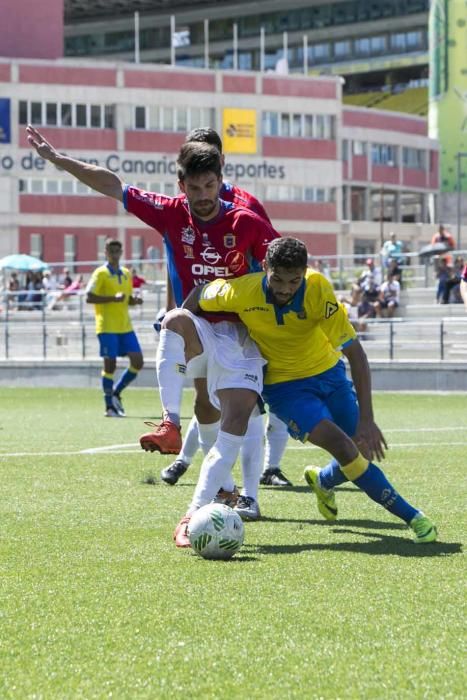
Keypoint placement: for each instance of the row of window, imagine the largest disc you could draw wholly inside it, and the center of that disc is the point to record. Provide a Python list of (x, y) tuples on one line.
[(386, 154), (160, 118), (70, 249), (303, 19), (67, 114), (75, 187), (304, 126), (296, 193)]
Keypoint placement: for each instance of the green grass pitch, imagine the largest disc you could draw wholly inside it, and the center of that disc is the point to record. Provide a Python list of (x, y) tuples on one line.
[(96, 601)]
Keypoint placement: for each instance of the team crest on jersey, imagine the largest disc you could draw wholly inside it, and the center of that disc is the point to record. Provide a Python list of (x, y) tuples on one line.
[(188, 249), (331, 308), (230, 240), (188, 235)]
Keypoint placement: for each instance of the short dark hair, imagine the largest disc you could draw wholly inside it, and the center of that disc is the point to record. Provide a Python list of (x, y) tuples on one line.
[(204, 134), (289, 253), (197, 159), (112, 241)]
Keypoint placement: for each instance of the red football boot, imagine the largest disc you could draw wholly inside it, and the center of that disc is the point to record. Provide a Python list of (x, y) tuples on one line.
[(166, 438)]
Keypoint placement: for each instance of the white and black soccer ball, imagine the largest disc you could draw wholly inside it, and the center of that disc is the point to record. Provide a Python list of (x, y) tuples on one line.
[(216, 531)]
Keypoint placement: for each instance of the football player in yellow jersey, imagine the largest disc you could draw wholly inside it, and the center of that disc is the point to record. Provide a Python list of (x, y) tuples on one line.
[(301, 330), (110, 289)]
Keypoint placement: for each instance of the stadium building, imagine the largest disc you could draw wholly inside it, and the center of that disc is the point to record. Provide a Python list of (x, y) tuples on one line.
[(330, 173)]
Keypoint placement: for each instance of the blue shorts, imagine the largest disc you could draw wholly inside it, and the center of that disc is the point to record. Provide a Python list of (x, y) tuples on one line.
[(118, 344), (303, 403)]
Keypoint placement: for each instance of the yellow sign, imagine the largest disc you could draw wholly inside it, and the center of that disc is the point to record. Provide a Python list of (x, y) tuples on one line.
[(239, 130)]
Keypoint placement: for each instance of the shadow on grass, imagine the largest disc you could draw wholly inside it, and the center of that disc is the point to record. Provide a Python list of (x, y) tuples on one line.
[(381, 544), (306, 489), (371, 524)]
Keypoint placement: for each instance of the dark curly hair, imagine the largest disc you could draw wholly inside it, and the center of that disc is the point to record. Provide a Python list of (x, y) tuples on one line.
[(289, 253), (204, 134)]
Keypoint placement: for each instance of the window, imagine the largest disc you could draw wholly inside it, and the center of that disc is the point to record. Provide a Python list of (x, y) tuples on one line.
[(309, 126), (100, 252), (36, 112), (96, 116), (66, 114), (342, 48), (81, 115), (35, 245), (384, 154), (362, 46), (140, 118), (69, 243), (359, 148), (136, 247), (414, 158), (51, 114)]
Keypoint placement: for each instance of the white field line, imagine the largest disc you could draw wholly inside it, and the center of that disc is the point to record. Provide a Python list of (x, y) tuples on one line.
[(131, 448)]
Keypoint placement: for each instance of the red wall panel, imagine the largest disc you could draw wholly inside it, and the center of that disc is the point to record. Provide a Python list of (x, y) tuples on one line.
[(159, 141), (5, 73), (299, 148), (62, 204), (67, 75), (287, 87), (413, 178), (302, 211), (170, 80), (433, 178), (238, 83), (359, 168), (385, 174), (31, 29), (86, 139), (317, 244), (386, 121)]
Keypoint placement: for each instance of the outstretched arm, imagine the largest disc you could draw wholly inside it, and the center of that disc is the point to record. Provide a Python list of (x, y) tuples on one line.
[(95, 177)]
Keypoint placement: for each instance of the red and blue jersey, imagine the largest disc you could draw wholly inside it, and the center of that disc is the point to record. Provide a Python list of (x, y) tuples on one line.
[(230, 245)]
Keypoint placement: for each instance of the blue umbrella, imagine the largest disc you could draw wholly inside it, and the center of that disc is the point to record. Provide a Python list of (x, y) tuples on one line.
[(23, 263)]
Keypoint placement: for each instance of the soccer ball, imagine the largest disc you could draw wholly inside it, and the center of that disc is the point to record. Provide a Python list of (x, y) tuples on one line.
[(216, 531)]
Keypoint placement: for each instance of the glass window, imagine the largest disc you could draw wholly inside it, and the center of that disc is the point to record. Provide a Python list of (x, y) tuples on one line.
[(285, 125), (297, 125), (96, 118), (136, 247), (69, 245), (66, 112), (140, 118), (342, 48), (81, 115), (109, 117), (195, 118), (36, 113), (68, 186), (35, 245), (359, 148), (51, 115), (308, 130), (414, 40), (23, 186), (345, 150), (320, 126), (397, 41), (167, 118), (23, 112), (100, 247), (309, 194), (321, 52), (377, 44), (51, 187), (182, 119), (81, 188), (37, 186), (362, 46)]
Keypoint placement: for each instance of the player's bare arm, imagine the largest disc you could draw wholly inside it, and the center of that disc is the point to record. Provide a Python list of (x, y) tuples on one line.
[(191, 303), (92, 298), (369, 438), (95, 177)]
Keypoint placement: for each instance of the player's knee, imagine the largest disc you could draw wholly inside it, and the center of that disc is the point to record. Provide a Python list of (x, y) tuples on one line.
[(177, 321)]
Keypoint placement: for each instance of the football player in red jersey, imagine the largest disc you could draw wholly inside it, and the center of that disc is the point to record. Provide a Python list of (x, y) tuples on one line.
[(205, 238), (276, 433)]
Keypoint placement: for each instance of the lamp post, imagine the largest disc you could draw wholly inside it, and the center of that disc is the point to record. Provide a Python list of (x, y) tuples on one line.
[(459, 156)]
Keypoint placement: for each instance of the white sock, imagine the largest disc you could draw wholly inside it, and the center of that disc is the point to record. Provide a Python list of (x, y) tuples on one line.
[(215, 469), (207, 435), (252, 456), (171, 369), (276, 442), (190, 442)]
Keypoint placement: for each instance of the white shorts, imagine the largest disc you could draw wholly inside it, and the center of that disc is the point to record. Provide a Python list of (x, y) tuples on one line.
[(230, 359)]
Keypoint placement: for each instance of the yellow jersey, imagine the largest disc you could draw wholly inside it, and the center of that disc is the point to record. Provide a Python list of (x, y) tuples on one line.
[(298, 340), (112, 317)]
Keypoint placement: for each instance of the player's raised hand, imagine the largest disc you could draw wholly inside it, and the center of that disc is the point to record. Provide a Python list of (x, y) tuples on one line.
[(42, 146)]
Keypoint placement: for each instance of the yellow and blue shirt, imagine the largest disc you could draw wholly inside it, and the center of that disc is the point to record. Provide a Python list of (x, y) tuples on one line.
[(298, 340), (111, 317)]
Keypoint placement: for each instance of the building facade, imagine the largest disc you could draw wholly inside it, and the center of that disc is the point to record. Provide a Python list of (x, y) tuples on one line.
[(329, 174)]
